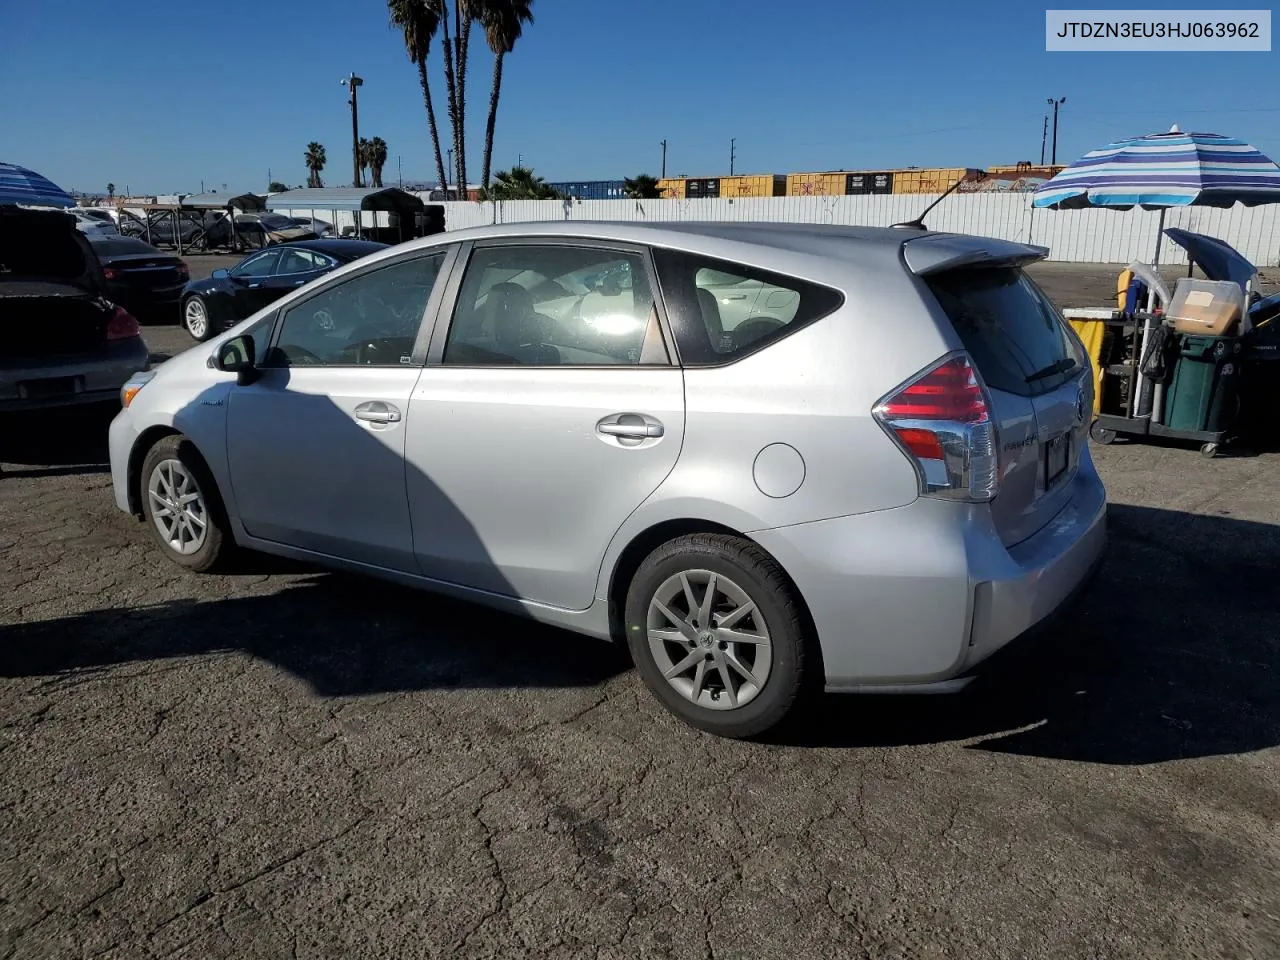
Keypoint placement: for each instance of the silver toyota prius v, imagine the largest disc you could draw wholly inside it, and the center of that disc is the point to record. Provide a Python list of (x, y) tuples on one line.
[(767, 457)]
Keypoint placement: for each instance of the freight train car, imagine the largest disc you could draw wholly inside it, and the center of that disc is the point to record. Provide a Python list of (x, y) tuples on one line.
[(591, 189)]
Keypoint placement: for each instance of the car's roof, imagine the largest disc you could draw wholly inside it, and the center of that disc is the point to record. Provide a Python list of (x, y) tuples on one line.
[(787, 236), (344, 249)]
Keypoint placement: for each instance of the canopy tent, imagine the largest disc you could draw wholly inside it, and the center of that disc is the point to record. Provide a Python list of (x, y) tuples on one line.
[(403, 208), (18, 185), (244, 203)]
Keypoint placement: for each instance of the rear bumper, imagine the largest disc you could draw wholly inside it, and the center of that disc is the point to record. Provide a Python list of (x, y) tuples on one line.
[(71, 381), (915, 598)]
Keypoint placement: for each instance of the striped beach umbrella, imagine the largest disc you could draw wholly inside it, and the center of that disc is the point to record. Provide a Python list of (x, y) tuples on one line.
[(22, 186), (1162, 170)]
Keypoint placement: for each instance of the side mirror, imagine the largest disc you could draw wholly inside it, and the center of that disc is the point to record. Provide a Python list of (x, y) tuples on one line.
[(237, 356), (220, 274)]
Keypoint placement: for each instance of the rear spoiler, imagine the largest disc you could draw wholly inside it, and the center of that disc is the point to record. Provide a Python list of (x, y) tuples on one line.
[(946, 251)]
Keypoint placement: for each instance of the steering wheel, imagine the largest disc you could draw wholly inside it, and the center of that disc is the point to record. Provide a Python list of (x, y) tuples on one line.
[(753, 328)]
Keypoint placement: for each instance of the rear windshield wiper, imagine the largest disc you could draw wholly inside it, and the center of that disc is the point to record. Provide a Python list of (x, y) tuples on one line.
[(1065, 365)]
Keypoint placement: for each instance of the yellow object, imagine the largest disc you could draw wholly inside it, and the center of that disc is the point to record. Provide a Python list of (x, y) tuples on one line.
[(934, 180), (1122, 288), (1091, 332), (671, 189), (760, 185), (815, 184)]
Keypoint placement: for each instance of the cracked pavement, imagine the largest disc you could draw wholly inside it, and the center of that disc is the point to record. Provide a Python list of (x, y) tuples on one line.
[(290, 763)]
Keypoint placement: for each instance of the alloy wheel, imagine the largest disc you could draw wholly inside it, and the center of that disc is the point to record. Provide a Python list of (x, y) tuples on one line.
[(196, 317), (709, 640), (178, 507)]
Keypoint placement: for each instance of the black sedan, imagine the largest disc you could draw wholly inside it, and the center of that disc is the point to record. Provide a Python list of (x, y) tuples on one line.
[(142, 279), (228, 296)]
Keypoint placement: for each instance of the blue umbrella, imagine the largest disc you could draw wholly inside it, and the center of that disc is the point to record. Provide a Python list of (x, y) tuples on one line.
[(1162, 170), (23, 186)]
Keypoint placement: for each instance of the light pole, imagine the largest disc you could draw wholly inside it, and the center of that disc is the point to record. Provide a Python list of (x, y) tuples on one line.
[(1055, 104), (664, 159), (353, 83), (733, 154)]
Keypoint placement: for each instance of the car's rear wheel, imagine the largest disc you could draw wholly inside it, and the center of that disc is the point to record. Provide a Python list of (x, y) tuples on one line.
[(196, 319), (181, 505), (717, 633)]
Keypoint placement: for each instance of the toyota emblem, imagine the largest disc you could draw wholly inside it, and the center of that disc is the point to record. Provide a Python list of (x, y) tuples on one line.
[(1080, 410)]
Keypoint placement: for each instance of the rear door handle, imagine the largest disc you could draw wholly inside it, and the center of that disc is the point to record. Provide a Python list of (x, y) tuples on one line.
[(376, 411), (630, 426)]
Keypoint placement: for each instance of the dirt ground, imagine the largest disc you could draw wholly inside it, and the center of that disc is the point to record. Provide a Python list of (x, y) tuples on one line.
[(283, 762)]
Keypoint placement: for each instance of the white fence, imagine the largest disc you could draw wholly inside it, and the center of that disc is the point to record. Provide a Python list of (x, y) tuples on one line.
[(1082, 236)]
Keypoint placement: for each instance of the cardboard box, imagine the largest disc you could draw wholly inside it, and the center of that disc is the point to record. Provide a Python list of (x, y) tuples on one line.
[(1205, 307)]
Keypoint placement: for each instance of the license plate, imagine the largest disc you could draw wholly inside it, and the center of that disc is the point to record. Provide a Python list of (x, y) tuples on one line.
[(1057, 455), (51, 387)]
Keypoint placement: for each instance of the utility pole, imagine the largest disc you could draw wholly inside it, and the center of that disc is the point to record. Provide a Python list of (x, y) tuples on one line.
[(732, 153), (353, 83), (664, 159), (400, 171), (1056, 104), (1044, 136)]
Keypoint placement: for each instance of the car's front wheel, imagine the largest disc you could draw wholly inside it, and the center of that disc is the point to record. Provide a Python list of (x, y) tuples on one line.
[(717, 633), (181, 505), (196, 318)]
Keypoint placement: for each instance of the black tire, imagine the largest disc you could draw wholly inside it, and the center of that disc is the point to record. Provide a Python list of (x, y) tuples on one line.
[(210, 327), (773, 595), (218, 544)]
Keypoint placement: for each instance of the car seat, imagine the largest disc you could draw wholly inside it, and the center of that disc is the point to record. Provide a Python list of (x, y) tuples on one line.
[(517, 328)]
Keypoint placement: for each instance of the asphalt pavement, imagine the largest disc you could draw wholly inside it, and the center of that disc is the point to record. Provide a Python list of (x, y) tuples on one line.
[(283, 762)]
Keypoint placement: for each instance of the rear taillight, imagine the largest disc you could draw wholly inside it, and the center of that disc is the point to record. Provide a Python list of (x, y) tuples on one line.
[(122, 325), (110, 272), (183, 272), (942, 421)]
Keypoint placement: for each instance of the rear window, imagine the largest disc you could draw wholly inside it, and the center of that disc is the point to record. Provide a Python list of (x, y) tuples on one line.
[(118, 246), (722, 311), (1014, 333)]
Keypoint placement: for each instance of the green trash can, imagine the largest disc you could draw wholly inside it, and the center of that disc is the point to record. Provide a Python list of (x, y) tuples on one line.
[(1202, 394)]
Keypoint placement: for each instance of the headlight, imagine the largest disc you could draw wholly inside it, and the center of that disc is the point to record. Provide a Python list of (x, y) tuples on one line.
[(133, 385)]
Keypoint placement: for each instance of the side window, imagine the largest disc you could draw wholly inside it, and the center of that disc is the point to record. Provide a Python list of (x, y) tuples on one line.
[(301, 261), (260, 266), (722, 311), (369, 320), (555, 305)]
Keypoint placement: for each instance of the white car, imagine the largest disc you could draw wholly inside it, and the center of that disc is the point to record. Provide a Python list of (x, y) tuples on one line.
[(765, 456), (94, 222)]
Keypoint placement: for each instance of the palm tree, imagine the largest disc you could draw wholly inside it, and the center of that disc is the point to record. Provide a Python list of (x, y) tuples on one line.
[(519, 183), (364, 149), (419, 21), (503, 22), (641, 187), (315, 160), (111, 191), (377, 159)]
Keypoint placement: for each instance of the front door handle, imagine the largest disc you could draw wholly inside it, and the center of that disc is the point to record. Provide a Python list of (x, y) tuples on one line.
[(375, 411), (630, 426)]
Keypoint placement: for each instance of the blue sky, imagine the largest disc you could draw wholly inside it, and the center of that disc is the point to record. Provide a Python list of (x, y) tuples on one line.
[(161, 95)]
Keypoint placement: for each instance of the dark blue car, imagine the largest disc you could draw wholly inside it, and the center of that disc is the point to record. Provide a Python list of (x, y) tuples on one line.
[(228, 296)]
